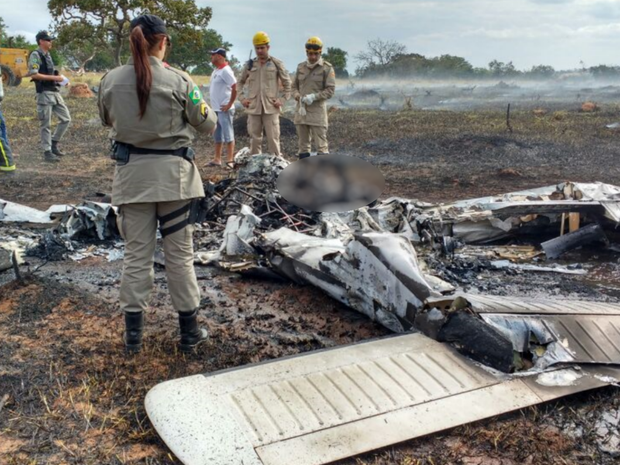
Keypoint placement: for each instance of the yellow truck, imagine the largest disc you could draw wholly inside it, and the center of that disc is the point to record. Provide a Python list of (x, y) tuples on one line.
[(13, 65)]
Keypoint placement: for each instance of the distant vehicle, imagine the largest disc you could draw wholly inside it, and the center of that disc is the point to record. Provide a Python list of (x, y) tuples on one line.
[(13, 65)]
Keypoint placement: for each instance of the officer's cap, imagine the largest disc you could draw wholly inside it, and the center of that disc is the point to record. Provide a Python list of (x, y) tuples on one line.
[(44, 35), (150, 24)]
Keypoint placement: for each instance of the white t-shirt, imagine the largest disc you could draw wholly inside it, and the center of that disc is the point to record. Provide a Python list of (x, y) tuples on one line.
[(220, 87)]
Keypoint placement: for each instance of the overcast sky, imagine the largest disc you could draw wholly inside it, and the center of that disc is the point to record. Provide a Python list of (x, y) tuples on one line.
[(560, 33)]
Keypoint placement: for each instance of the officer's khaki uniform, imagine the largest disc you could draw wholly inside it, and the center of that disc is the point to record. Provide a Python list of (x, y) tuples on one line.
[(48, 102), (149, 186), (263, 83), (319, 79)]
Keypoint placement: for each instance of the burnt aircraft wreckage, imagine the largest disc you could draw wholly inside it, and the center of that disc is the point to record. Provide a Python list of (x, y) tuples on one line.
[(422, 271)]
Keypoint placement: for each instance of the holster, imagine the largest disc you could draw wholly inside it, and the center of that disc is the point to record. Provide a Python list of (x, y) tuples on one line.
[(197, 209)]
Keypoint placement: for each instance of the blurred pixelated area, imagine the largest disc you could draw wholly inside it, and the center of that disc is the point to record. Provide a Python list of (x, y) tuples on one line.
[(331, 183)]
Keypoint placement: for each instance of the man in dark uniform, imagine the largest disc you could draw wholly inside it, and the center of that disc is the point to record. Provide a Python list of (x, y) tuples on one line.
[(48, 81)]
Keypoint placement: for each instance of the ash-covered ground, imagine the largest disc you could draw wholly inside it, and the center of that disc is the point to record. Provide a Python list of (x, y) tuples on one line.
[(72, 396)]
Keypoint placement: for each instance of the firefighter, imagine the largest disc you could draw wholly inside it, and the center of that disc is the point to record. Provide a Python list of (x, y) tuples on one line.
[(314, 84), (258, 88), (153, 112)]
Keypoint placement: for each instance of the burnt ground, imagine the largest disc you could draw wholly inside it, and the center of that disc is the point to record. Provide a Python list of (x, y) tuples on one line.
[(75, 398)]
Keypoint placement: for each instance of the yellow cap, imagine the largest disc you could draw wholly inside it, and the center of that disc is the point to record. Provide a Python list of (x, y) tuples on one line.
[(314, 44), (260, 38)]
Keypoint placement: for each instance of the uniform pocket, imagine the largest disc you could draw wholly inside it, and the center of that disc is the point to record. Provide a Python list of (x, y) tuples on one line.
[(41, 112), (120, 222)]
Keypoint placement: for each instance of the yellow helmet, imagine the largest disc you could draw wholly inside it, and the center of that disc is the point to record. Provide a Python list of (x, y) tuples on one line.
[(314, 44), (260, 38)]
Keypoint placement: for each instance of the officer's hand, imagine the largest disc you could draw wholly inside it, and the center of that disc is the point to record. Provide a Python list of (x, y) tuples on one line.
[(277, 103), (298, 97), (245, 103)]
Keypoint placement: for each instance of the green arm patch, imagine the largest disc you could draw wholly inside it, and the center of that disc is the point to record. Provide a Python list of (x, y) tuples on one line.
[(195, 95)]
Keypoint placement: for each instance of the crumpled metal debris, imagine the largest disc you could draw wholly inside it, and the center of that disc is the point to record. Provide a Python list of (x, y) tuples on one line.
[(374, 273), (90, 220), (11, 212)]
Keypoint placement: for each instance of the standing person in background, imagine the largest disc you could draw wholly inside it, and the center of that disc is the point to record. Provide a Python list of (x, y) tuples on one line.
[(153, 112), (314, 84), (7, 165), (263, 76), (223, 92), (48, 81)]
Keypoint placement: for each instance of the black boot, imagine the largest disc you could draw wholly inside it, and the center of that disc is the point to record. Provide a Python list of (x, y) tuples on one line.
[(191, 333), (50, 157), (56, 151), (303, 155), (134, 323)]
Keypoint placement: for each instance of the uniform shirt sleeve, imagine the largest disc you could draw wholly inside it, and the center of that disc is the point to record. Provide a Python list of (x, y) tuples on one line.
[(241, 84), (229, 76), (296, 92), (103, 112), (330, 85), (34, 63), (197, 112), (285, 78)]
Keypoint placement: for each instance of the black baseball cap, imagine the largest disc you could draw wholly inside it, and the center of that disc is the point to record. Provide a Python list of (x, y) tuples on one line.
[(44, 35), (219, 51), (150, 24)]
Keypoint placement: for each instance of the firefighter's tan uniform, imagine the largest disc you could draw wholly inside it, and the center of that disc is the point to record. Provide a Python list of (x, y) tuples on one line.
[(152, 186), (261, 85), (318, 79)]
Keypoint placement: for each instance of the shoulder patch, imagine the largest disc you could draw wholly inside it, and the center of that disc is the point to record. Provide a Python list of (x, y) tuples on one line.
[(195, 95)]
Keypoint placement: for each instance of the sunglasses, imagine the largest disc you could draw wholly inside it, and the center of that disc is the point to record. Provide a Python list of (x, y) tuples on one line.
[(314, 47)]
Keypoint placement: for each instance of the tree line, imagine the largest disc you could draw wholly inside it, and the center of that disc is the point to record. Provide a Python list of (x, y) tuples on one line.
[(93, 35), (386, 58)]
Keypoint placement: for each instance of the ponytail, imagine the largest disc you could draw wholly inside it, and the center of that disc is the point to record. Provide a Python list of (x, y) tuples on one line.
[(144, 78)]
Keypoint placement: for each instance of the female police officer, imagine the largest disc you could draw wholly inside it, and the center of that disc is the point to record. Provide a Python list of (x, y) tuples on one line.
[(152, 111)]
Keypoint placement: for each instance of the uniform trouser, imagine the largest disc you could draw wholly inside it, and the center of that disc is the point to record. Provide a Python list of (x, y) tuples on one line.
[(44, 112), (138, 225), (271, 124), (308, 134), (6, 155)]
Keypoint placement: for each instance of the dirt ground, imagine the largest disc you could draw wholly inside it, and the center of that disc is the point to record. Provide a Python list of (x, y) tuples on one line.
[(74, 397)]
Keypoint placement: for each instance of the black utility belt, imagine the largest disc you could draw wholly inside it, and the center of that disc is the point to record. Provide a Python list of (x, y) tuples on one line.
[(122, 151)]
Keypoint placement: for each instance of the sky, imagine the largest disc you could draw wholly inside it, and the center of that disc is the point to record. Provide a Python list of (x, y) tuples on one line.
[(560, 33)]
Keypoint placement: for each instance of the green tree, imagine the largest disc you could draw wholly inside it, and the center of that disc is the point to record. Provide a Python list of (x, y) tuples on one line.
[(3, 33), (338, 58), (604, 71), (450, 65), (542, 71), (106, 22), (501, 69), (189, 53)]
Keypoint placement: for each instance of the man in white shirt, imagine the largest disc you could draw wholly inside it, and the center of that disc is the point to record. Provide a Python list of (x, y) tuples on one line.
[(223, 92)]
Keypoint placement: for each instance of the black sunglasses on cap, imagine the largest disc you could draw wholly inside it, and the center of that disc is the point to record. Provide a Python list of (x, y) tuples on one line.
[(313, 47)]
